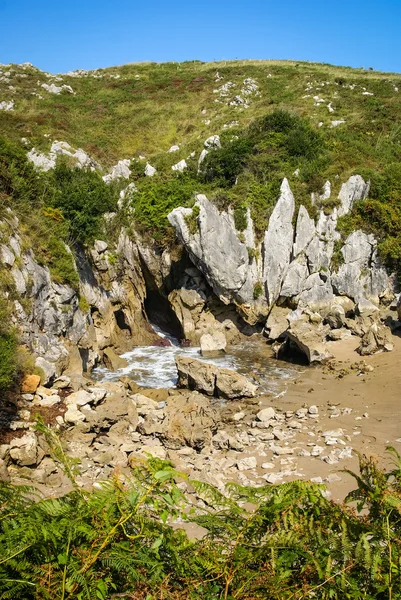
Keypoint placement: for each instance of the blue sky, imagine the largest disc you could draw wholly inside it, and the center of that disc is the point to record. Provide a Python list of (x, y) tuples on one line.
[(61, 35)]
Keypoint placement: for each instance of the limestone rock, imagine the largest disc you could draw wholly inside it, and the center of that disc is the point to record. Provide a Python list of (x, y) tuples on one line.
[(309, 341), (196, 375), (190, 420), (335, 317), (354, 189), (214, 381), (180, 166), (112, 361), (305, 231), (266, 414), (30, 384), (24, 450), (230, 384), (277, 323), (149, 170), (375, 339), (213, 344), (73, 415), (278, 242)]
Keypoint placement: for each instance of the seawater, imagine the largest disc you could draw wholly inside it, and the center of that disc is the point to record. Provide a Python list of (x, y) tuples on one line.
[(154, 366)]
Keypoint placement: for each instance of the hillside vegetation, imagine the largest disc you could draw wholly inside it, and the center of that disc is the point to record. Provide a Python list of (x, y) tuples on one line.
[(307, 122), (330, 122)]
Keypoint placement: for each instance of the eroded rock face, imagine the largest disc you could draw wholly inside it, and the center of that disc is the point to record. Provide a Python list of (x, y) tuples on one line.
[(277, 244), (213, 381), (298, 270), (309, 340)]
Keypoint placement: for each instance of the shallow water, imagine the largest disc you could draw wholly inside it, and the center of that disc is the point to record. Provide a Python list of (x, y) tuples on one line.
[(154, 366)]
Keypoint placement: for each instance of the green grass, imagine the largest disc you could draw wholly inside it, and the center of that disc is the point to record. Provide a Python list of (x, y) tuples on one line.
[(152, 106)]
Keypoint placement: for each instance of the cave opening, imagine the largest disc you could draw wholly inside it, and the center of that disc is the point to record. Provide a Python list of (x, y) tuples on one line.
[(160, 313)]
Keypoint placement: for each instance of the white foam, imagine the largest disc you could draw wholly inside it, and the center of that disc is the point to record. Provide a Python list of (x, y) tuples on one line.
[(154, 366)]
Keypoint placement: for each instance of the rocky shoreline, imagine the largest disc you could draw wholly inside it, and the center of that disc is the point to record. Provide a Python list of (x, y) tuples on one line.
[(311, 432)]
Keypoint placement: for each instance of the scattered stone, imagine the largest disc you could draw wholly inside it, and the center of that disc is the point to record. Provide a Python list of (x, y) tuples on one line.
[(30, 384), (246, 463), (213, 344), (24, 450)]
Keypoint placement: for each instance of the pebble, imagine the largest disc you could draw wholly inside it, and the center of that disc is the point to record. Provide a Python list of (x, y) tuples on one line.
[(313, 410)]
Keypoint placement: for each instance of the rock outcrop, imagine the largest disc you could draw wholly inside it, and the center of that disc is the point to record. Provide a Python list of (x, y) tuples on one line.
[(298, 268), (211, 380)]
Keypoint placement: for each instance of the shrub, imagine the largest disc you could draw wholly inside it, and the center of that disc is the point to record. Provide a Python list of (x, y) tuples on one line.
[(192, 220), (257, 290), (83, 198), (8, 348), (240, 217), (156, 198)]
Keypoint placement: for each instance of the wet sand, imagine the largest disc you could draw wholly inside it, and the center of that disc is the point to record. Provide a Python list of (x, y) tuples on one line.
[(376, 394)]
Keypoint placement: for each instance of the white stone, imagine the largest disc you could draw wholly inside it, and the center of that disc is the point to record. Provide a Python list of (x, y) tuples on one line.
[(212, 142), (246, 463), (7, 106), (174, 148), (120, 171), (149, 170), (180, 166), (266, 414), (73, 415)]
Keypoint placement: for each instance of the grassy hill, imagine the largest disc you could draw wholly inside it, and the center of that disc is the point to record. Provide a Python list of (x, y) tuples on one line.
[(334, 122), (145, 108)]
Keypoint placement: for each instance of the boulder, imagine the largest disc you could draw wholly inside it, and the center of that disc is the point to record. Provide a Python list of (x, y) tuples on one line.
[(196, 375), (266, 414), (30, 384), (335, 317), (308, 340), (214, 381), (377, 338), (230, 384), (213, 344), (365, 308), (190, 420), (277, 323), (112, 361), (24, 450), (73, 415), (79, 398)]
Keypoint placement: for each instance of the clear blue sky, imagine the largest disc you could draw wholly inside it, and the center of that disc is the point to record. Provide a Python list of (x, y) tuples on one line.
[(62, 35)]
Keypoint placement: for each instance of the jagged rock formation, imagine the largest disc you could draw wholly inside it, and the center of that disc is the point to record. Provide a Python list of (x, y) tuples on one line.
[(287, 266)]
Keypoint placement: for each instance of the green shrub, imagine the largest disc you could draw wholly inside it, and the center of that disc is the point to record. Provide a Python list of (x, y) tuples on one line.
[(156, 198), (240, 217), (8, 348), (192, 220), (257, 290), (83, 198)]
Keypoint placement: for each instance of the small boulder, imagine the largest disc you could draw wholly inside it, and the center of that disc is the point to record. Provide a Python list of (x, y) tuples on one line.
[(365, 308), (213, 344), (230, 384), (308, 340), (377, 338), (195, 375), (30, 384), (24, 450), (112, 361), (335, 317), (266, 414)]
